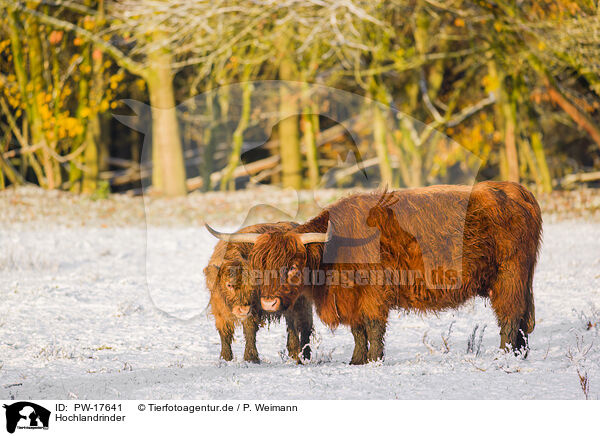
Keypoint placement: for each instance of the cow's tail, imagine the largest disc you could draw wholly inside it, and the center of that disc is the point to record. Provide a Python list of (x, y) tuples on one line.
[(535, 230), (529, 318)]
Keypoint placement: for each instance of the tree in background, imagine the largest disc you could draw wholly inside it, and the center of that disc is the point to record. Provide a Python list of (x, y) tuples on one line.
[(518, 86)]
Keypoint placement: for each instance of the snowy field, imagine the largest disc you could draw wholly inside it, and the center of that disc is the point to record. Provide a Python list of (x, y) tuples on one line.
[(78, 321)]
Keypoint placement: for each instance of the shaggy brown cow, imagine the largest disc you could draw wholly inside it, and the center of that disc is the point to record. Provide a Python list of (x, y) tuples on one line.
[(422, 249), (234, 300)]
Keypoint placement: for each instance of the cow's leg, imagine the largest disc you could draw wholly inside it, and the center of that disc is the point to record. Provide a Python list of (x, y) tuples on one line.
[(359, 357), (512, 336), (293, 342), (226, 330), (250, 325), (375, 334), (305, 325), (305, 333), (511, 300)]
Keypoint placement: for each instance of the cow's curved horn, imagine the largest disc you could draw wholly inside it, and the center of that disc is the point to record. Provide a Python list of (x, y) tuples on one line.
[(249, 238), (307, 238)]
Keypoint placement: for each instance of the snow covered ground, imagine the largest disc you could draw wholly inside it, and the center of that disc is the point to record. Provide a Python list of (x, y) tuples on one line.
[(77, 320)]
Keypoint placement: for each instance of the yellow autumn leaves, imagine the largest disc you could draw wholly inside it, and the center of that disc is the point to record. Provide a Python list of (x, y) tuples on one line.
[(61, 114)]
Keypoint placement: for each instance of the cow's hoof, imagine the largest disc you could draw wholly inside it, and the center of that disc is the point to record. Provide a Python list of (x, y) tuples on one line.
[(228, 357), (251, 358), (375, 357), (306, 354)]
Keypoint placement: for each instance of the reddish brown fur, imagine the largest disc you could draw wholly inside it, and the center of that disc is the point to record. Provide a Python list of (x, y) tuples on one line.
[(229, 263), (488, 234)]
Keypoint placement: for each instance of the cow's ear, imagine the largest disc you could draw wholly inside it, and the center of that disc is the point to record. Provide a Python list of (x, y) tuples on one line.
[(211, 272)]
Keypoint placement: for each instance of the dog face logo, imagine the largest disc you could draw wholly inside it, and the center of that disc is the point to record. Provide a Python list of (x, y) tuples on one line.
[(26, 415)]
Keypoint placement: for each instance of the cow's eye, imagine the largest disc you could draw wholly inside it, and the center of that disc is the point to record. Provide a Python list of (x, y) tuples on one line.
[(229, 285)]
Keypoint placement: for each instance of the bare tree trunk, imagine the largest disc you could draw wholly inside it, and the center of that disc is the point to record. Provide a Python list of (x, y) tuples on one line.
[(103, 143), (508, 110), (90, 156), (510, 144), (410, 165), (310, 143), (84, 171), (309, 124), (32, 120), (380, 131), (380, 139), (289, 144), (540, 156), (93, 137), (208, 143), (238, 138), (167, 154), (83, 96), (528, 164), (36, 82)]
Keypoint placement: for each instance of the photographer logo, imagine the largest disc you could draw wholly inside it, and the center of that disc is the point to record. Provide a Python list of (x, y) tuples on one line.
[(26, 415)]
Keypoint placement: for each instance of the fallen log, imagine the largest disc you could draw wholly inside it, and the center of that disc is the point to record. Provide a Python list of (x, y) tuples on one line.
[(241, 171), (580, 178)]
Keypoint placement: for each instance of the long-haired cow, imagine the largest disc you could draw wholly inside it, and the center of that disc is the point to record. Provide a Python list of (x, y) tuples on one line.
[(423, 249)]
